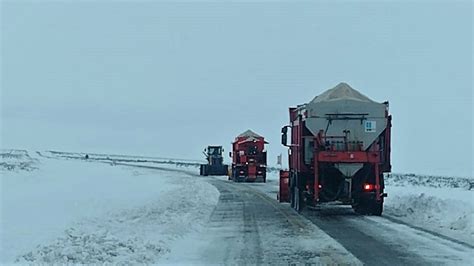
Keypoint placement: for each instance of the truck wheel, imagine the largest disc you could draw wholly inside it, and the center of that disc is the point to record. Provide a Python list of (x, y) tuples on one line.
[(368, 207), (359, 210), (376, 208), (292, 197), (234, 174), (224, 170), (299, 200), (360, 207), (299, 197)]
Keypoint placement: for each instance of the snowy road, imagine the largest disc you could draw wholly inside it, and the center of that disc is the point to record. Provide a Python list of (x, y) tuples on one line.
[(250, 226), (247, 227)]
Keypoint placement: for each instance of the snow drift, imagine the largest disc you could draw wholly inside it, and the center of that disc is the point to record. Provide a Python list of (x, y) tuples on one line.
[(437, 203), (69, 211)]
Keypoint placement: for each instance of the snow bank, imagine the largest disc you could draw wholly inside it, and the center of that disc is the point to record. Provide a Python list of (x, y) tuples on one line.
[(448, 211), (71, 211), (86, 248), (407, 180), (16, 160)]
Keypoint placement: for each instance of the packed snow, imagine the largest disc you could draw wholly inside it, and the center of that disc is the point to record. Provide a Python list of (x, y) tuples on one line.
[(69, 211)]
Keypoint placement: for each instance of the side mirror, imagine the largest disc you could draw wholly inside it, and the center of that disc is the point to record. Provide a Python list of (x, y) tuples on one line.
[(284, 139), (284, 135), (230, 154)]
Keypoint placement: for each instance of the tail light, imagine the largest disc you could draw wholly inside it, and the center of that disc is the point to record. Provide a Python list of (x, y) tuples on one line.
[(368, 187)]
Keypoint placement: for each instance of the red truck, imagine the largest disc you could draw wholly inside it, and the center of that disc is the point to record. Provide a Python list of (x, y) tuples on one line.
[(339, 150), (249, 158)]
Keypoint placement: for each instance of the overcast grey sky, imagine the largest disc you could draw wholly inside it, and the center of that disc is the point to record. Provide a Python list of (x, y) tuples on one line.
[(167, 79)]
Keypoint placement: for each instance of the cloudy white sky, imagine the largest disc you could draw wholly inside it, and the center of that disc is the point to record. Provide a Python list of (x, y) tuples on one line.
[(166, 79)]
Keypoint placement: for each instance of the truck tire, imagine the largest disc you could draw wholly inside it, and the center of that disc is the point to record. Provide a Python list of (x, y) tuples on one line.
[(376, 208), (291, 190), (299, 200), (299, 196), (368, 207), (360, 207)]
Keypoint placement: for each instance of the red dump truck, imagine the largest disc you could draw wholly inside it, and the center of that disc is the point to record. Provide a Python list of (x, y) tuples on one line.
[(249, 158), (339, 150)]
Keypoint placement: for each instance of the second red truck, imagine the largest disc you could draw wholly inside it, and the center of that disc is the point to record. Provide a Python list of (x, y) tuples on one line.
[(249, 158)]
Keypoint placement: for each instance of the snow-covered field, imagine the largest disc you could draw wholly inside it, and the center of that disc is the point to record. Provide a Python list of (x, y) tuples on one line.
[(447, 211), (79, 212)]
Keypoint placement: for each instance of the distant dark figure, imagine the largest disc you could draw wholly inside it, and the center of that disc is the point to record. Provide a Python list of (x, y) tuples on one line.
[(87, 156)]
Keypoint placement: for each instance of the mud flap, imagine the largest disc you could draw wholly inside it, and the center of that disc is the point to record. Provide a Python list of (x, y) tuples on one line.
[(283, 193)]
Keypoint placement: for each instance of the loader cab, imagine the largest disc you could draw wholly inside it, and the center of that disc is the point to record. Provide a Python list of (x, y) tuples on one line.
[(215, 162), (214, 151)]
